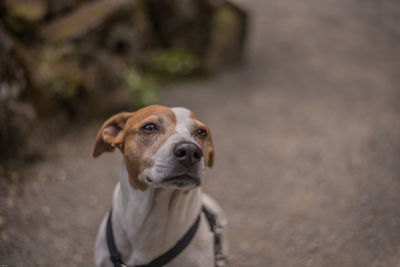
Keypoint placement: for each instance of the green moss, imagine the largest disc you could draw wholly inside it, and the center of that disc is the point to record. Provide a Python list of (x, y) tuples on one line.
[(160, 66), (144, 88), (173, 62)]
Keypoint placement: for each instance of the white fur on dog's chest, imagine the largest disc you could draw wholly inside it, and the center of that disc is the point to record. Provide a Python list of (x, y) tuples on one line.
[(161, 218)]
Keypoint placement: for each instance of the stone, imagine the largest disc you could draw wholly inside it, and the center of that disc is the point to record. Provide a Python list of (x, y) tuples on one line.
[(17, 115), (214, 31), (182, 24), (227, 37), (29, 11), (60, 71), (24, 16), (59, 7), (82, 20)]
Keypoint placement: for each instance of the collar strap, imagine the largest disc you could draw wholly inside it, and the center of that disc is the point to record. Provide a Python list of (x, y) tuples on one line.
[(115, 257)]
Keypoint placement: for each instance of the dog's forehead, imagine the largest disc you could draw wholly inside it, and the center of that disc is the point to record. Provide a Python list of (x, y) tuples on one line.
[(185, 119), (155, 111), (182, 119)]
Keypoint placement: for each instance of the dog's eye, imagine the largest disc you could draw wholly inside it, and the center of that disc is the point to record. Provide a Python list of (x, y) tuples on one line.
[(149, 128), (200, 132)]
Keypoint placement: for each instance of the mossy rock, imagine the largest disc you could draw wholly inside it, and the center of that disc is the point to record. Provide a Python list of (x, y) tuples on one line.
[(82, 20), (60, 71), (17, 117), (142, 87), (31, 11), (23, 17), (182, 24), (227, 38), (173, 62)]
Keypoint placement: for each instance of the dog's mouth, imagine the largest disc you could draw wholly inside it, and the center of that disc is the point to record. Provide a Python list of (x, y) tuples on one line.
[(182, 180)]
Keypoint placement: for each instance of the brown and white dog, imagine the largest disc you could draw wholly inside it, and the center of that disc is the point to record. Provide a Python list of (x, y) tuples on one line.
[(158, 197)]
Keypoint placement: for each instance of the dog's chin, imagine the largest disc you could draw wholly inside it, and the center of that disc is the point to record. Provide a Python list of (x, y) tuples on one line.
[(183, 182)]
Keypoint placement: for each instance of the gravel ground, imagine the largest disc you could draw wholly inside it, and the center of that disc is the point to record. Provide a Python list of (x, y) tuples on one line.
[(307, 150)]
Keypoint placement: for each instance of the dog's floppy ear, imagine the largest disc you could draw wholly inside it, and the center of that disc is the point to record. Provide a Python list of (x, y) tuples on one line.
[(110, 134), (210, 151)]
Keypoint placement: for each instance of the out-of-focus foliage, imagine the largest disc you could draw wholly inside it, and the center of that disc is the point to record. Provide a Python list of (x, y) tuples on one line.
[(83, 58), (176, 62), (59, 69), (143, 87)]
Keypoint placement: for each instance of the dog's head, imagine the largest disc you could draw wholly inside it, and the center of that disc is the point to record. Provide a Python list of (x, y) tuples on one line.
[(162, 146)]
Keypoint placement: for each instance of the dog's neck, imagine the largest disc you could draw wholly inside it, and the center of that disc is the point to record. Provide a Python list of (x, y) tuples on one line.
[(148, 223)]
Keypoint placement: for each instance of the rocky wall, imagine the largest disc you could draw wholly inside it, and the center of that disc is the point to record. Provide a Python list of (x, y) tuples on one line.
[(84, 58)]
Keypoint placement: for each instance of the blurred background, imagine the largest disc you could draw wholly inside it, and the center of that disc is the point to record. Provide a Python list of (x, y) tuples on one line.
[(302, 98)]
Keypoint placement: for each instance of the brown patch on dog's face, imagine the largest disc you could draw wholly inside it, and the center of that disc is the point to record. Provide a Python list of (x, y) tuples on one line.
[(126, 131), (206, 142), (140, 145)]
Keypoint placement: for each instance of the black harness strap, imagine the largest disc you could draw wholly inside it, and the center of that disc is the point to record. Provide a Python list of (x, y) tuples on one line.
[(115, 257), (175, 250), (212, 221), (216, 228)]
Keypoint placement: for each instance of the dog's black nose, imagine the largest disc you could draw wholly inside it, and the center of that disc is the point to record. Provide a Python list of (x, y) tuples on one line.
[(187, 152)]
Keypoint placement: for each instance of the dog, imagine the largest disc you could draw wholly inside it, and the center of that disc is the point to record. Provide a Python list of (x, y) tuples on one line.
[(158, 201)]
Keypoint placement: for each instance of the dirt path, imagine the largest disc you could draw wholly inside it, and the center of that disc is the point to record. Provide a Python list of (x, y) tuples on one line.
[(307, 150)]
